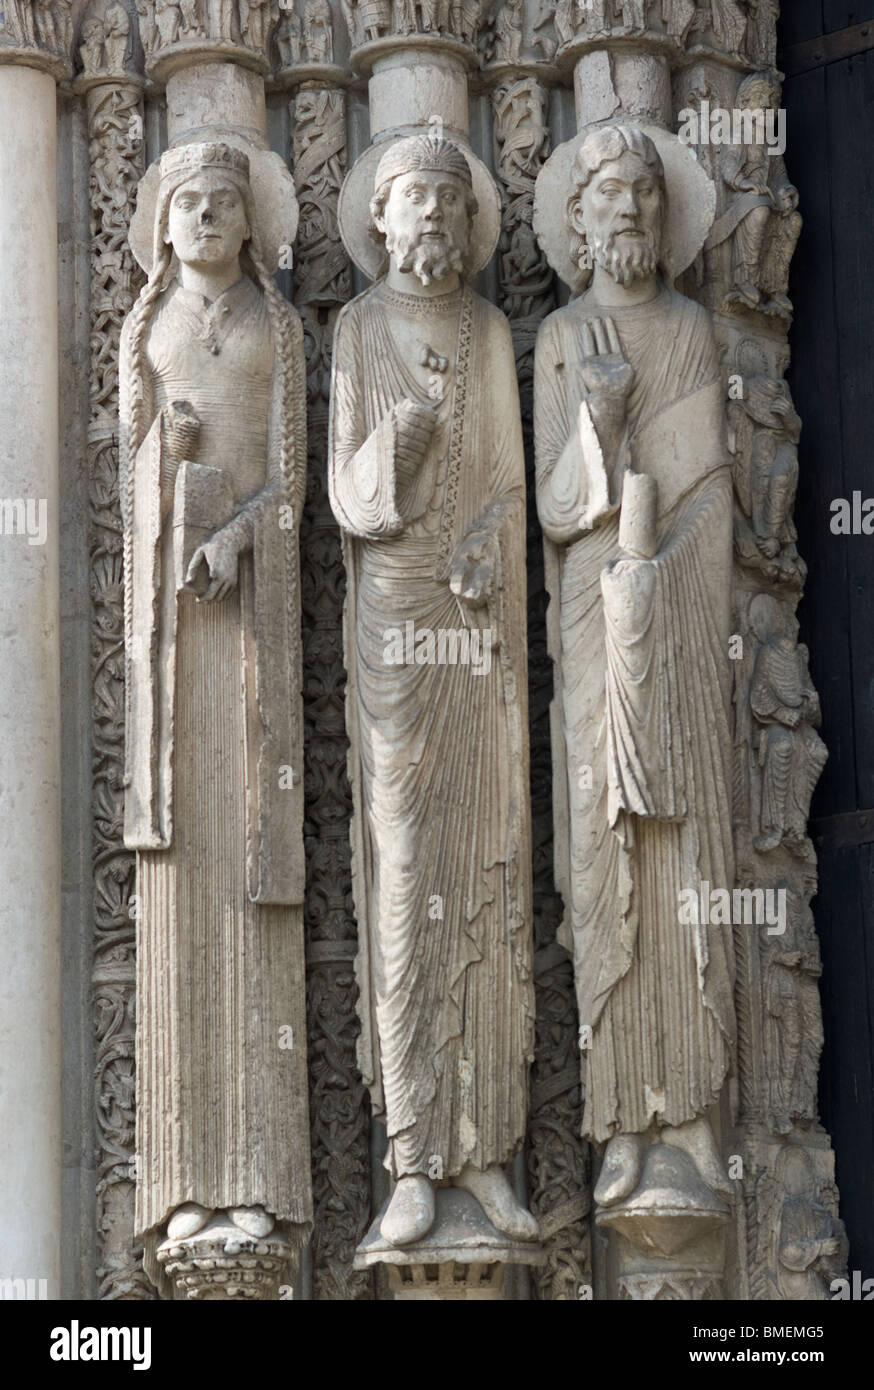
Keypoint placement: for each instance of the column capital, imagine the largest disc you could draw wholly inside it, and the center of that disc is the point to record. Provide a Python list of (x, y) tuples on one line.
[(207, 31), (38, 35)]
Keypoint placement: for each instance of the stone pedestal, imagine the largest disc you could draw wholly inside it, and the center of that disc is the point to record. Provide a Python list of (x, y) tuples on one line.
[(668, 1235), (461, 1259)]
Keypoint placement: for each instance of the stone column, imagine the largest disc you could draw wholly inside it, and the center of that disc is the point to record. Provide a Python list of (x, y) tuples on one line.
[(30, 1009)]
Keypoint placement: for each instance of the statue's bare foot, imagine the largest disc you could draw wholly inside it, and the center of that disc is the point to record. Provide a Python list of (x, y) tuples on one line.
[(255, 1221), (492, 1190), (696, 1139), (410, 1212), (620, 1171), (187, 1220)]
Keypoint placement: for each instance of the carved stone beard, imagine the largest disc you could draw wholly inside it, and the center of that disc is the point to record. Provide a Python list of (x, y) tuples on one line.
[(635, 260), (428, 261)]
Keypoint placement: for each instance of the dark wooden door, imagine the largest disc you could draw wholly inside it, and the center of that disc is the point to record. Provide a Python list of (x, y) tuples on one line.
[(829, 95)]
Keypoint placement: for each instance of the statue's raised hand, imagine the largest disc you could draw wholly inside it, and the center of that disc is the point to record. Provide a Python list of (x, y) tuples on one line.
[(213, 570), (607, 376)]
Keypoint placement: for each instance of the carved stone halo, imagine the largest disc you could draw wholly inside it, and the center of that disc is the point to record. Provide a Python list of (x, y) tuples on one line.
[(353, 211), (276, 207), (691, 203)]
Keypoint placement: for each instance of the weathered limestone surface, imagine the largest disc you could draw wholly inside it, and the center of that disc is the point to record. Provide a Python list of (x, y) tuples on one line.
[(665, 487)]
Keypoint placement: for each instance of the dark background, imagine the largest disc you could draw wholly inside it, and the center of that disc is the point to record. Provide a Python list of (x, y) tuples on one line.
[(830, 157)]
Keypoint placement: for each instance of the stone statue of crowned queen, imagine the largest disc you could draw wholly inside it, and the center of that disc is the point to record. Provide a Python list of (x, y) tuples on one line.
[(427, 481), (212, 469)]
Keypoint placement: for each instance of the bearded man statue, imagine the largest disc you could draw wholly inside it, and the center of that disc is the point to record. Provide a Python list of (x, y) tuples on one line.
[(427, 481), (634, 497)]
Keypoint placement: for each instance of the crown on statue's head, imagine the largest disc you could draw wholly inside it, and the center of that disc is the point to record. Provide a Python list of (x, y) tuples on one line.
[(432, 152), (184, 160)]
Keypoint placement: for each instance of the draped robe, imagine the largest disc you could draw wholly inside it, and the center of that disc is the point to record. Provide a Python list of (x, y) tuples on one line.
[(213, 714), (439, 754), (640, 729)]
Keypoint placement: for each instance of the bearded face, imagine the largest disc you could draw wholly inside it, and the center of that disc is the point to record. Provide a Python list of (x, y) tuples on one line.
[(621, 213), (426, 224)]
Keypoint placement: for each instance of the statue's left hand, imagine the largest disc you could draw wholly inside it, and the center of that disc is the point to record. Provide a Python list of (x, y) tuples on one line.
[(473, 568), (219, 555)]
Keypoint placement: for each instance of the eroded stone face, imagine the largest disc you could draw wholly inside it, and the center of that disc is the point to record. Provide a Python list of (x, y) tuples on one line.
[(207, 222)]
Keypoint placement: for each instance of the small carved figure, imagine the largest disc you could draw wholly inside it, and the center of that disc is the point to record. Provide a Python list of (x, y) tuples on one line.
[(64, 24), (404, 18), (426, 13), (794, 1039), (254, 16), (745, 169), (508, 32), (91, 46), (18, 22), (783, 233), (227, 14), (191, 22), (374, 17), (808, 1239), (761, 40), (289, 38), (44, 19), (631, 14), (567, 20), (117, 21), (471, 20), (794, 1035), (146, 16), (764, 434), (785, 706), (168, 20), (728, 21), (318, 33), (677, 17)]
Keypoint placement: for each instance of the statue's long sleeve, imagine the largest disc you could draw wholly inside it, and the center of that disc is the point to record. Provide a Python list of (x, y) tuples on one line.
[(362, 476), (571, 477)]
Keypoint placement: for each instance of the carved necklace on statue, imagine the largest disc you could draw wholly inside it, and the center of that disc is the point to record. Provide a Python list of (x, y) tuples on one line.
[(209, 319), (420, 305)]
